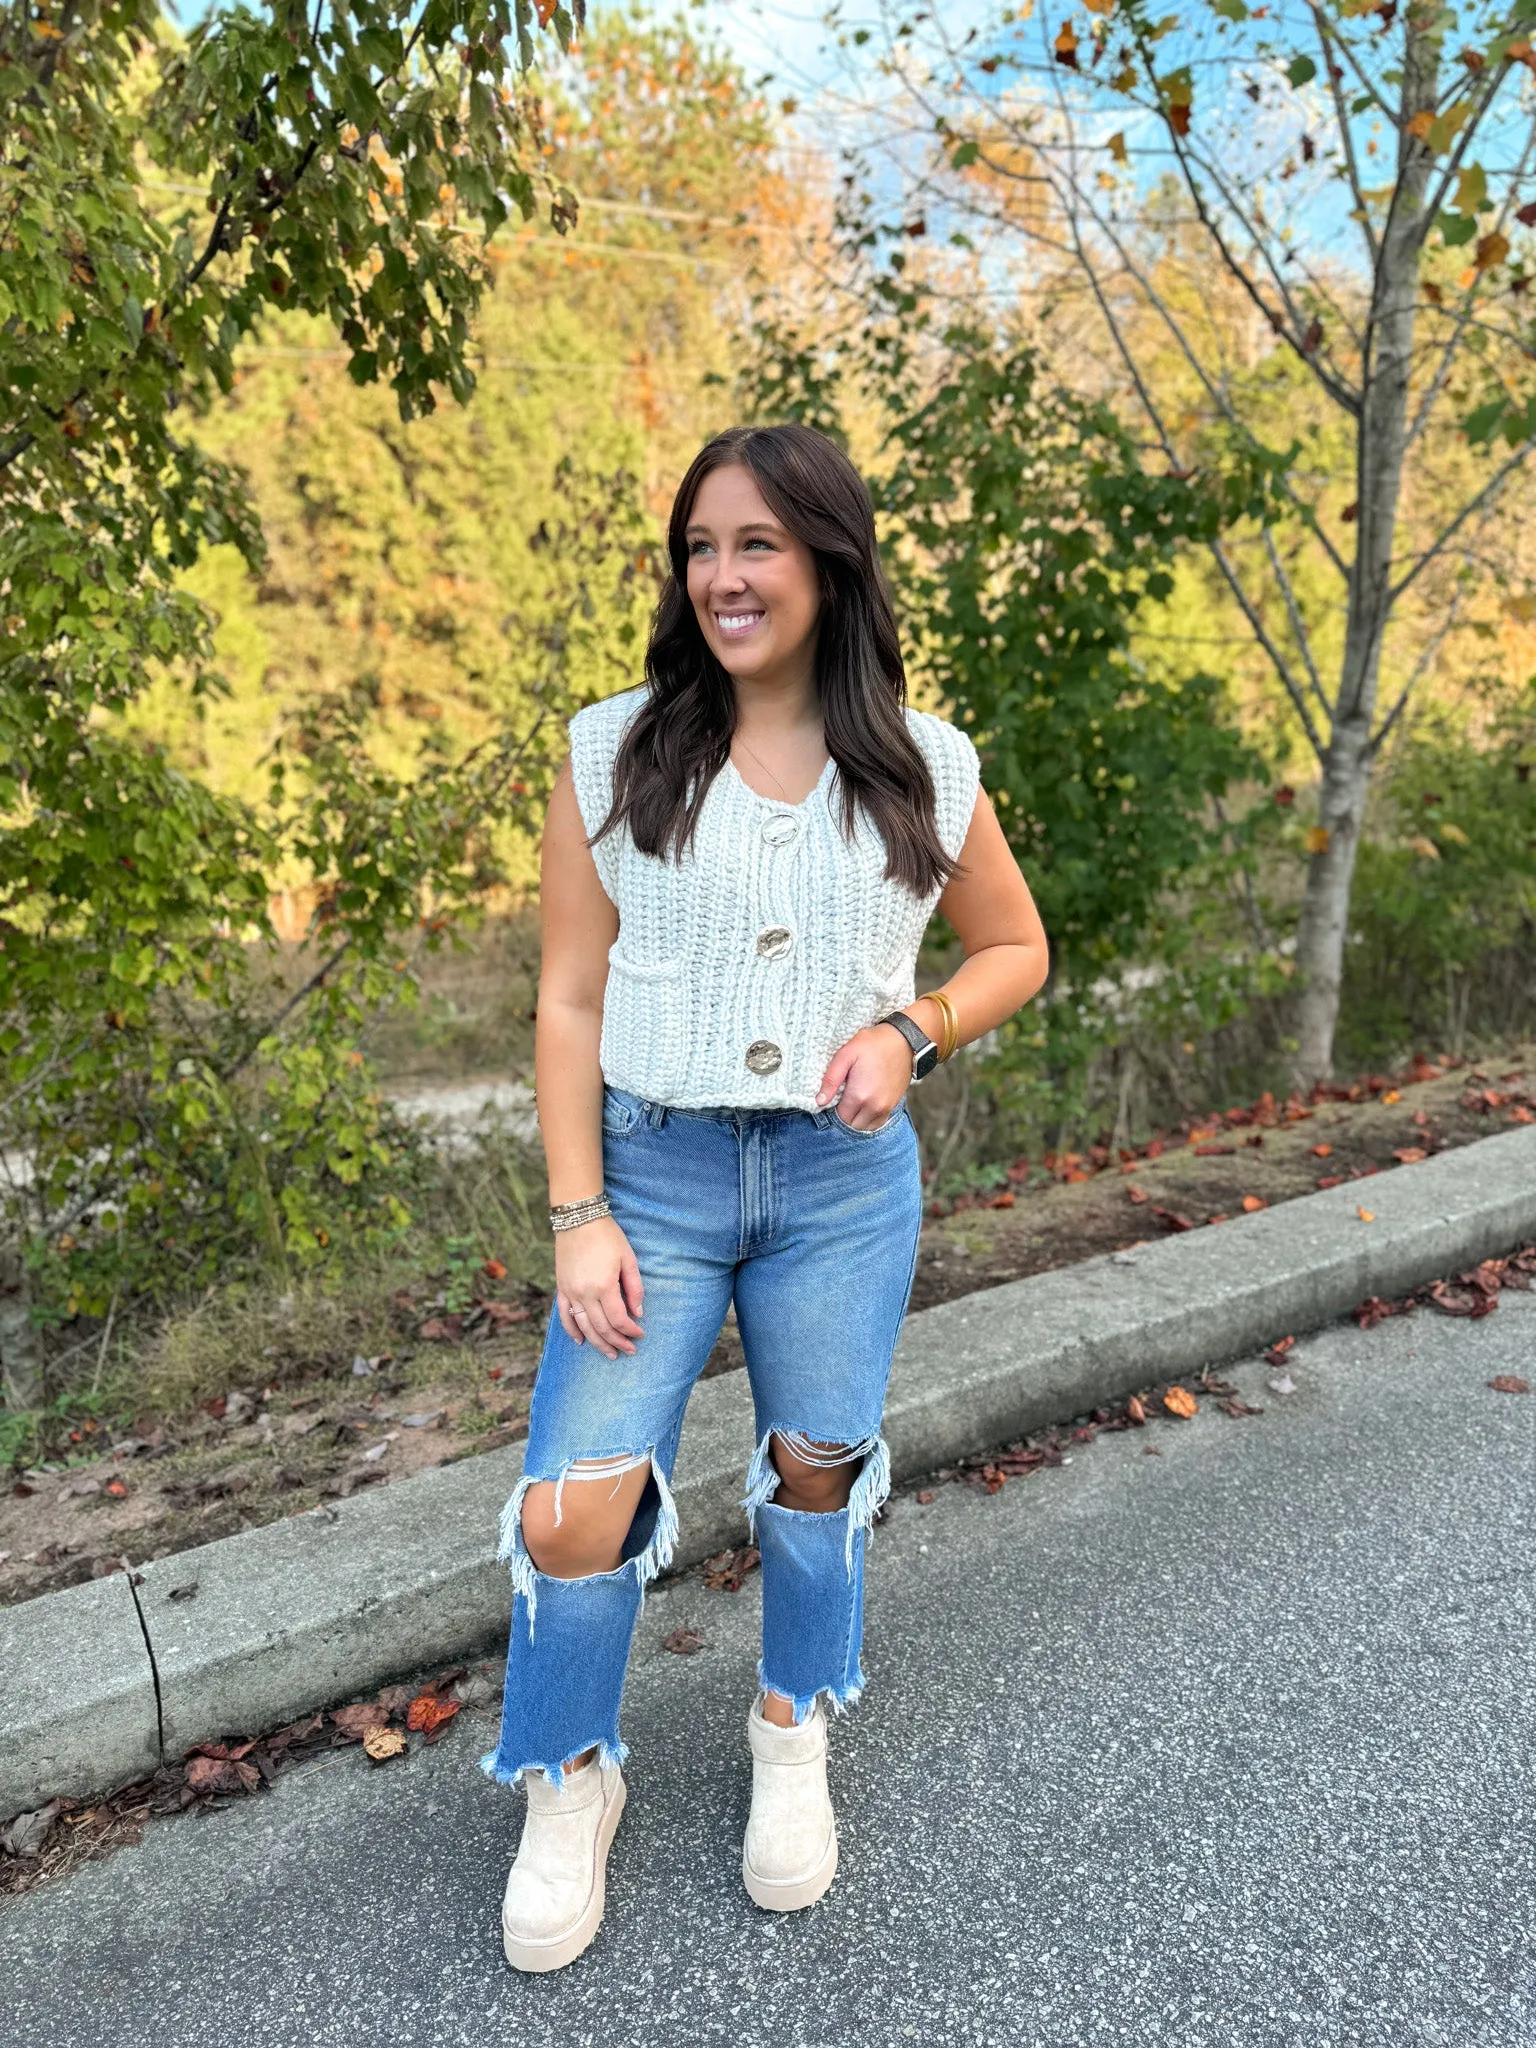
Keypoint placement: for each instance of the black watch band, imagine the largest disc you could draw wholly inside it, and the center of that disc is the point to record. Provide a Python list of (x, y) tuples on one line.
[(925, 1054)]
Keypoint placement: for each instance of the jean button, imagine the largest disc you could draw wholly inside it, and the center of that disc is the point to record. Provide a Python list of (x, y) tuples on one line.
[(781, 829), (764, 1057), (774, 941)]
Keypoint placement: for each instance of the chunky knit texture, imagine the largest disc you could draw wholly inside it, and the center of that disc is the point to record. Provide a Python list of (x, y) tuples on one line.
[(773, 930)]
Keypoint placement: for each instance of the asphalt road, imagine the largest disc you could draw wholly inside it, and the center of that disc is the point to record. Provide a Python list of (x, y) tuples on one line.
[(1223, 1748)]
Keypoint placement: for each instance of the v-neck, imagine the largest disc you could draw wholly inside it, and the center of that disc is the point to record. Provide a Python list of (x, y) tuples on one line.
[(779, 803)]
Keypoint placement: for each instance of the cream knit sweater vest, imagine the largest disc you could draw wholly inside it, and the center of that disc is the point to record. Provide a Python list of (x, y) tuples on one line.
[(740, 970)]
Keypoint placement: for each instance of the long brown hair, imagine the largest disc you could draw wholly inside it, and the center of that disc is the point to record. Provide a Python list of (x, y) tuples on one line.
[(680, 739)]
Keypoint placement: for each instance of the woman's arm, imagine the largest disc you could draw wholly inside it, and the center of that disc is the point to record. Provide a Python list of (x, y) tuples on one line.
[(1006, 961), (595, 1270), (1007, 956)]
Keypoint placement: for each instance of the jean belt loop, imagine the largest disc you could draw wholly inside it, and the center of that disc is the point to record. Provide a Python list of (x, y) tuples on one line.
[(655, 1114)]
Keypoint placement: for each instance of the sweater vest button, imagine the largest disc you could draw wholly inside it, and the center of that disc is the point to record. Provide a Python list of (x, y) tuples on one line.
[(764, 1057), (774, 941), (781, 829)]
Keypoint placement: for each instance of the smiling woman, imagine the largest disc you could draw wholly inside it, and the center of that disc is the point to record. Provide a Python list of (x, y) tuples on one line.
[(739, 863)]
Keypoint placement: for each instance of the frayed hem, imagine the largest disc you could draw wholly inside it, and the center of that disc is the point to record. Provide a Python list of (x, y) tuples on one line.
[(609, 1756), (839, 1698), (525, 1574)]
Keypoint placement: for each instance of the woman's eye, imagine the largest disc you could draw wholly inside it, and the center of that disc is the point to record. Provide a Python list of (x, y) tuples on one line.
[(698, 547)]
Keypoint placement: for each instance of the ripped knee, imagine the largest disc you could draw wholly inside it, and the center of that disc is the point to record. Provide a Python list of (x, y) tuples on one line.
[(572, 1531), (853, 1480), (550, 1533), (815, 1477)]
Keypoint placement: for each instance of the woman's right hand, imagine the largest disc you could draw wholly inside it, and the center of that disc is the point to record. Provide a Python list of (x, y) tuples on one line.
[(598, 1290)]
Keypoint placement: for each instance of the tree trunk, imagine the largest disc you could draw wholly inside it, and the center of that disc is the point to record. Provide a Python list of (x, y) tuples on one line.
[(1381, 430), (21, 1351)]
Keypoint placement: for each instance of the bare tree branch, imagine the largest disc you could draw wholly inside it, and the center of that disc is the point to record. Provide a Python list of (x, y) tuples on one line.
[(1475, 504), (1337, 389), (1430, 650)]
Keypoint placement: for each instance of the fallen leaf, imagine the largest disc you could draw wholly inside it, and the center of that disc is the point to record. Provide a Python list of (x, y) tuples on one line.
[(1179, 1401), (427, 1713), (1171, 1219), (1234, 1406), (434, 1331), (683, 1642), (211, 1775), (1279, 1351), (355, 1721), (727, 1569), (1365, 1215), (1150, 1451), (1330, 1180), (1392, 1095), (1323, 1151), (1135, 1410), (1410, 1155), (383, 1743), (1133, 1193), (493, 1269), (25, 1835), (1509, 1383), (1252, 1204), (926, 1498)]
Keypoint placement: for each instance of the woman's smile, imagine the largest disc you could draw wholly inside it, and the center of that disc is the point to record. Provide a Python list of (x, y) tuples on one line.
[(737, 623)]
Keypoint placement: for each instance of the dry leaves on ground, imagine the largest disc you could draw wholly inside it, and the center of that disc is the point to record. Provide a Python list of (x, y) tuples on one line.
[(1509, 1383), (1179, 1401), (728, 1570), (683, 1642), (58, 1837), (1470, 1295)]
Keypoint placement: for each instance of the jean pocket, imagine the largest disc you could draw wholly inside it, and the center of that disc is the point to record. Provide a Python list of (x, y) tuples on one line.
[(896, 1116), (621, 1112)]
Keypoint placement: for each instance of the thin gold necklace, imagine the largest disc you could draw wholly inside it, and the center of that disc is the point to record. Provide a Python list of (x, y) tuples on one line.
[(763, 765)]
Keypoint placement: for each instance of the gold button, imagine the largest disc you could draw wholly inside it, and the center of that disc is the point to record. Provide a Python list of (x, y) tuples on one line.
[(774, 941), (764, 1057)]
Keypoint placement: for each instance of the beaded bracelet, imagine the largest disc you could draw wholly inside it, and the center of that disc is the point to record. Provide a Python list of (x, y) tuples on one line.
[(571, 1215)]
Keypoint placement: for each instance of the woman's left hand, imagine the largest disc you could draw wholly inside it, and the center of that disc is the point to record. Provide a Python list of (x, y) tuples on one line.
[(874, 1071)]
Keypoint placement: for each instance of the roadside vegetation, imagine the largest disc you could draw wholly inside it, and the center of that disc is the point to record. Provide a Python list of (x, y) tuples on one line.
[(286, 655)]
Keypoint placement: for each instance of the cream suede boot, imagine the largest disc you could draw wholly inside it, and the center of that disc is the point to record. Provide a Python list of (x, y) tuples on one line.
[(789, 1856), (554, 1899)]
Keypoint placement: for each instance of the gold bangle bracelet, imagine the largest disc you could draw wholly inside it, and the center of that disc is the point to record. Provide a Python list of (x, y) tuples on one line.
[(946, 1010)]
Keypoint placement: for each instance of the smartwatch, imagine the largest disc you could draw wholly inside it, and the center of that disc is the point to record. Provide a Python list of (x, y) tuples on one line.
[(925, 1054)]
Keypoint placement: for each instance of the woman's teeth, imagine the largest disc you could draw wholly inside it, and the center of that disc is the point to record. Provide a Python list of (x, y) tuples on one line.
[(737, 622)]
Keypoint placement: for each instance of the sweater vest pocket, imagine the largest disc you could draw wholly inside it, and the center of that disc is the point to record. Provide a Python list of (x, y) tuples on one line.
[(644, 1043)]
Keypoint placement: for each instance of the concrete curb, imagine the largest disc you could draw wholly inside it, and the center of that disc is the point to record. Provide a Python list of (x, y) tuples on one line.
[(98, 1681)]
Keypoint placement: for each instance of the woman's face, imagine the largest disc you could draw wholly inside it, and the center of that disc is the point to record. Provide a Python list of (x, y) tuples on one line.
[(752, 584)]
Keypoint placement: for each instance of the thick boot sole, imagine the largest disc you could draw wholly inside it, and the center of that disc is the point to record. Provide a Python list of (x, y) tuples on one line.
[(536, 1956), (789, 1896)]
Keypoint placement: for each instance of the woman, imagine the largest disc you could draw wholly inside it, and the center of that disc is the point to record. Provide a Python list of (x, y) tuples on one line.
[(739, 862)]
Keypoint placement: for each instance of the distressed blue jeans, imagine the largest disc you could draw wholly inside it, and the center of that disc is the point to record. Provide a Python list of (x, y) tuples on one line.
[(810, 1227)]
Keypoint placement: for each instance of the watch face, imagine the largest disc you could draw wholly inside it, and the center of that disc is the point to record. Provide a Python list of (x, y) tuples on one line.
[(924, 1062)]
